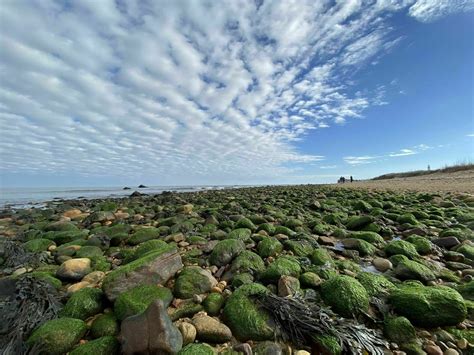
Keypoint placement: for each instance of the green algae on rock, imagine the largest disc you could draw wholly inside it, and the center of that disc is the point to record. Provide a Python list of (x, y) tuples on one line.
[(269, 247), (137, 300), (399, 330), (244, 317), (429, 306), (283, 266), (83, 304), (345, 295), (104, 325), (401, 247), (193, 280), (226, 250), (197, 349), (57, 336), (107, 345)]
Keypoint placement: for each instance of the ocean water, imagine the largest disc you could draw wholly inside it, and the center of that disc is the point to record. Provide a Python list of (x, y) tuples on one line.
[(25, 197)]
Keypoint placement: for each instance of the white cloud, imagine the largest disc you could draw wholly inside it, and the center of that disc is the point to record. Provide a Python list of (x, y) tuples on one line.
[(365, 159), (180, 91), (402, 153), (470, 135), (430, 10), (328, 167)]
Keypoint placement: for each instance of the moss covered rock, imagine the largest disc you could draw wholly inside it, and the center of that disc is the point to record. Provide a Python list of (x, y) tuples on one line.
[(358, 222), (138, 299), (242, 234), (399, 330), (269, 247), (245, 223), (345, 295), (246, 320), (467, 250), (84, 303), (370, 237), (213, 303), (321, 257), (433, 306), (283, 266), (58, 336), (327, 344), (412, 270), (90, 252), (225, 251), (104, 325), (423, 246), (247, 262), (401, 247), (197, 349), (193, 280), (407, 218), (374, 284), (299, 247), (144, 234), (107, 345), (38, 245)]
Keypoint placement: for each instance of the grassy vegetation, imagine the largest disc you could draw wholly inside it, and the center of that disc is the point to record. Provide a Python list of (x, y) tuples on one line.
[(461, 166)]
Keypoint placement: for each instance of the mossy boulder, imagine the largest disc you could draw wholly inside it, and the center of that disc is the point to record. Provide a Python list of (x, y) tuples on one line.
[(242, 279), (467, 250), (58, 336), (412, 270), (267, 227), (428, 306), (197, 349), (247, 262), (245, 223), (38, 245), (401, 247), (144, 234), (364, 248), (362, 206), (225, 250), (300, 247), (327, 344), (104, 325), (283, 230), (193, 280), (374, 284), (345, 295), (467, 290), (46, 276), (423, 245), (407, 218), (355, 223), (138, 299), (213, 303), (310, 279), (399, 330), (283, 266), (107, 345), (321, 257), (370, 237), (269, 247), (244, 317), (242, 234), (146, 247), (84, 304), (90, 252)]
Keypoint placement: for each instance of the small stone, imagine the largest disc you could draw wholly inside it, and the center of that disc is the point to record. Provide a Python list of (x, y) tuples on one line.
[(197, 299), (72, 213), (327, 240), (52, 247), (19, 271), (288, 286), (216, 289), (424, 334), (74, 269), (462, 343), (78, 286), (302, 352), (451, 351), (244, 348), (210, 329), (94, 277), (433, 350), (382, 264), (188, 331)]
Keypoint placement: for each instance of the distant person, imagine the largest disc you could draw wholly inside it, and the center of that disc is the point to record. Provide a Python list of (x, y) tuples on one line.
[(352, 179)]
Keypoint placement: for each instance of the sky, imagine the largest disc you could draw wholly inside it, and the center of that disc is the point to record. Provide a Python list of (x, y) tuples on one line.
[(188, 92)]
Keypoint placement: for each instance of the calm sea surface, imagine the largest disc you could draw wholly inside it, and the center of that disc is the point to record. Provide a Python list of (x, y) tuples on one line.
[(27, 197)]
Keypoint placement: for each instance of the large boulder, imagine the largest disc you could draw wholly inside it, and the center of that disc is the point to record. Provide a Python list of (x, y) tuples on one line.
[(83, 304), (225, 251), (412, 270), (156, 267), (283, 266), (151, 332), (244, 317), (345, 295), (434, 306), (193, 280), (74, 269), (57, 336), (103, 345)]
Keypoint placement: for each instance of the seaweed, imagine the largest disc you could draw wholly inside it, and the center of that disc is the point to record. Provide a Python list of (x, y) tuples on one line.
[(16, 256), (299, 321), (32, 302)]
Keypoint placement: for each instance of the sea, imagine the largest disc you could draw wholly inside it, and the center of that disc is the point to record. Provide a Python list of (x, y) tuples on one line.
[(28, 197)]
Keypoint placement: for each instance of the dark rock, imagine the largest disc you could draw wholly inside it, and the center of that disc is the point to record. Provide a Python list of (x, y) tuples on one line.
[(150, 333), (126, 188), (447, 242), (136, 194), (142, 186)]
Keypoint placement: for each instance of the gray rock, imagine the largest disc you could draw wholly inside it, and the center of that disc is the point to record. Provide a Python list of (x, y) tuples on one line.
[(288, 286), (382, 264), (150, 333), (447, 242), (210, 329), (188, 331)]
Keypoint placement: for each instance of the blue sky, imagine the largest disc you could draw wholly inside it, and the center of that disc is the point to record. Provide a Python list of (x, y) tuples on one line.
[(232, 92)]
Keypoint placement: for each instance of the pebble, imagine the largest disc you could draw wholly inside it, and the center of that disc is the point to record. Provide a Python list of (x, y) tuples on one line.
[(382, 264), (197, 299), (78, 286), (451, 351), (188, 331), (94, 277), (216, 289), (19, 271), (210, 329), (433, 350), (462, 343), (302, 352)]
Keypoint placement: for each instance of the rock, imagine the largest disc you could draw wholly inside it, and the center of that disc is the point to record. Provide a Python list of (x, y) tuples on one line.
[(310, 279), (447, 242), (412, 270), (78, 286), (83, 304), (94, 277), (104, 325), (104, 345), (156, 267), (58, 336), (72, 213), (225, 251), (288, 286), (267, 347), (213, 303), (345, 295), (247, 262), (210, 329), (428, 306), (451, 351), (358, 222), (374, 284), (462, 343), (382, 264), (269, 247), (364, 248), (141, 186), (433, 350), (321, 257), (74, 269), (19, 272), (283, 266), (197, 349), (151, 332), (244, 317), (302, 352), (193, 280), (399, 330), (137, 300), (188, 332), (401, 247), (38, 245), (243, 348)]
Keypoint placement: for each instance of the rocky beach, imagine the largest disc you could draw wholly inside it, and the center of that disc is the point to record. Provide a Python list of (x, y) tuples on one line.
[(305, 269)]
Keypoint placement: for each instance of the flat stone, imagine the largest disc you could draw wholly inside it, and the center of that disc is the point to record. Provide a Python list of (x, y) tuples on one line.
[(210, 329), (150, 333)]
